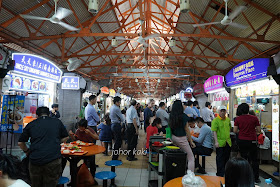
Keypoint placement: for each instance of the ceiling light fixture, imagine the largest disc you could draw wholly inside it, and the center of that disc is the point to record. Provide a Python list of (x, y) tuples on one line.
[(184, 6), (114, 42), (136, 80), (166, 60), (124, 60), (93, 6), (172, 42)]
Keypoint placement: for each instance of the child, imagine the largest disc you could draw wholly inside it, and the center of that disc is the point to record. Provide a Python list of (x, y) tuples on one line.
[(152, 129), (105, 134)]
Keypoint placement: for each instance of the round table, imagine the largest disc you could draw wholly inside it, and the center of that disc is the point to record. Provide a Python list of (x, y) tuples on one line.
[(211, 181)]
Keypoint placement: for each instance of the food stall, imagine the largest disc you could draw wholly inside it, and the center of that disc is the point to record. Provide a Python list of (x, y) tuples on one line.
[(199, 95), (250, 84), (30, 85), (217, 94)]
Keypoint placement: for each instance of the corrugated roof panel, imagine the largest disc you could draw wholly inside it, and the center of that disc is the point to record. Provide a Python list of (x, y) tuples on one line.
[(5, 16), (53, 48), (81, 10), (19, 28), (273, 32), (269, 5), (19, 6), (243, 53), (222, 64), (199, 63), (262, 46), (79, 44), (198, 7)]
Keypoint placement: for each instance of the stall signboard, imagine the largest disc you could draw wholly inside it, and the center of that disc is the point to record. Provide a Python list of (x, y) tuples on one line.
[(213, 83), (221, 96), (12, 113), (70, 83), (198, 89), (112, 92), (248, 70), (275, 128), (26, 84), (36, 66), (105, 90)]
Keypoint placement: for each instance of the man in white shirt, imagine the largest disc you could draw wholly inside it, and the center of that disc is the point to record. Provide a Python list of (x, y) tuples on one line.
[(132, 130), (164, 116), (206, 114)]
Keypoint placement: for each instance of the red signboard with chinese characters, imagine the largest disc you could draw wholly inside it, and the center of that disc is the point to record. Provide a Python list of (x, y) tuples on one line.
[(198, 89), (105, 90)]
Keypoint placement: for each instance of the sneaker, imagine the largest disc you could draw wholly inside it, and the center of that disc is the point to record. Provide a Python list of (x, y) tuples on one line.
[(257, 181)]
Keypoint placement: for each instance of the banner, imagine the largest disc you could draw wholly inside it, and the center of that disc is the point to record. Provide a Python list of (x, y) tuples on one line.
[(12, 113), (213, 83), (70, 83)]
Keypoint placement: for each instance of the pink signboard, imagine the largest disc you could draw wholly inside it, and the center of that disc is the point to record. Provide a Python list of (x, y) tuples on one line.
[(213, 83)]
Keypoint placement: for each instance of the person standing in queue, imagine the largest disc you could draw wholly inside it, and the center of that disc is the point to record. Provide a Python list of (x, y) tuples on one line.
[(54, 113), (46, 135), (181, 136), (132, 130), (207, 114), (164, 116), (221, 127), (91, 115), (148, 112), (248, 126), (116, 119)]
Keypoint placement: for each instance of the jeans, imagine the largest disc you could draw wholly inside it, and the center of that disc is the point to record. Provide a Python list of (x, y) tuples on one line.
[(45, 175), (95, 129), (131, 139), (222, 156), (200, 150), (116, 129), (249, 151)]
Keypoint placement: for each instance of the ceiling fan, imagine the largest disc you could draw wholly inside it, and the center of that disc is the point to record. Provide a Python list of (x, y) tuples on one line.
[(74, 63), (140, 39), (59, 14), (179, 76), (227, 20)]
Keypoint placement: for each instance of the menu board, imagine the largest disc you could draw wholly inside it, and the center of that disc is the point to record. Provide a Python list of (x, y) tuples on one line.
[(260, 88), (36, 66), (275, 128), (12, 113), (28, 84), (70, 83)]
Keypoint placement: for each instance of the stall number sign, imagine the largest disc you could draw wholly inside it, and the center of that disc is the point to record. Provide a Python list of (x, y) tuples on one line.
[(247, 71), (70, 83), (36, 66)]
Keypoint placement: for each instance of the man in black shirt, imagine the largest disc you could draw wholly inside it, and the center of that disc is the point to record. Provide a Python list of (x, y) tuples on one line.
[(45, 157), (54, 113)]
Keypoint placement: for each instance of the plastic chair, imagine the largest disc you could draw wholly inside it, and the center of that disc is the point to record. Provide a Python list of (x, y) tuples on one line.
[(113, 164), (63, 180), (105, 176)]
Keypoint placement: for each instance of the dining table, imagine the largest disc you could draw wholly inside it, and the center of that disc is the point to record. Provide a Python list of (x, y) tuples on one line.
[(74, 158), (211, 181)]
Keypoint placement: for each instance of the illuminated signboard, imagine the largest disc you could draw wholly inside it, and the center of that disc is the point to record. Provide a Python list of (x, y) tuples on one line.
[(247, 71), (36, 66), (70, 83)]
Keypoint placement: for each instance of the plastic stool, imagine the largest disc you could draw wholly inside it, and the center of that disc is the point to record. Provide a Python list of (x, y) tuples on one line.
[(63, 180), (113, 164), (105, 175)]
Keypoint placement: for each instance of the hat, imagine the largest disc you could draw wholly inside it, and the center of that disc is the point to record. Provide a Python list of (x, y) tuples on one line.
[(223, 108)]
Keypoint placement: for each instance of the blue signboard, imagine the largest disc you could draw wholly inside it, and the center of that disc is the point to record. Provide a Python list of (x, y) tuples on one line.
[(70, 82), (247, 71), (12, 113), (37, 67), (27, 84)]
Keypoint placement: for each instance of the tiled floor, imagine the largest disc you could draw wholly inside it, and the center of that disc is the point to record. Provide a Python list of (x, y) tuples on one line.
[(135, 173)]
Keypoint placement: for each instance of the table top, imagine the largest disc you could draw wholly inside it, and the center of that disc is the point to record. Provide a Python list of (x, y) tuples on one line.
[(211, 181), (91, 150)]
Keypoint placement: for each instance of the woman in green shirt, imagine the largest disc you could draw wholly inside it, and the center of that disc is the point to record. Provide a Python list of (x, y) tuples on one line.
[(82, 112), (178, 122)]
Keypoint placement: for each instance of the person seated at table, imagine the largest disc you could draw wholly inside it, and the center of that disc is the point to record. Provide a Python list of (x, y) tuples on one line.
[(152, 129), (194, 129), (238, 172), (10, 171), (87, 135), (204, 142), (105, 133)]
